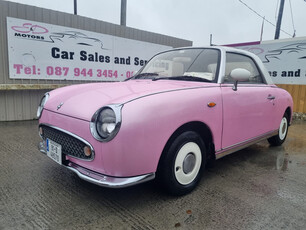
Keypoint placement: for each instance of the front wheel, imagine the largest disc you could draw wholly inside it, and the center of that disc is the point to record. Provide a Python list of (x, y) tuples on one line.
[(279, 139), (181, 166)]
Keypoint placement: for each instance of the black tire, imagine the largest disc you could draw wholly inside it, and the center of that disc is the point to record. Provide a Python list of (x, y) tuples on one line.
[(182, 164), (279, 139)]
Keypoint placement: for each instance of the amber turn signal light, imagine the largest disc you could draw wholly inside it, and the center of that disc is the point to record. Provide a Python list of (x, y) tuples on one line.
[(87, 151), (211, 104)]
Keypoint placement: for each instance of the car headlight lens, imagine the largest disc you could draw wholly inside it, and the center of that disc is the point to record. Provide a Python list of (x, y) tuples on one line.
[(42, 105), (106, 122)]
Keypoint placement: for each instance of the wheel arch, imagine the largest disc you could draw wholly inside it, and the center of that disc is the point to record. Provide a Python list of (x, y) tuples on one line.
[(199, 127), (289, 113)]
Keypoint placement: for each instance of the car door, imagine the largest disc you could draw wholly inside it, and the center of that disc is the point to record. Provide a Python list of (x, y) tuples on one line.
[(248, 111)]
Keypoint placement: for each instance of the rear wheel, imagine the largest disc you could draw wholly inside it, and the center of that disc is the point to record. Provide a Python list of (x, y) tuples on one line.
[(279, 139), (181, 166)]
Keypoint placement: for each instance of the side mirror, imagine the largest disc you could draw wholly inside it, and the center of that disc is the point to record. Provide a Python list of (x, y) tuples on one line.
[(239, 74)]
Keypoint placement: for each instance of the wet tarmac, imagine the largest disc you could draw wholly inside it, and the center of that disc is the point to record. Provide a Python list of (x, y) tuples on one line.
[(260, 187)]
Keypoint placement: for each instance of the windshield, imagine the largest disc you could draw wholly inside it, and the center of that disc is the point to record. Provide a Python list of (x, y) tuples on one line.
[(184, 64)]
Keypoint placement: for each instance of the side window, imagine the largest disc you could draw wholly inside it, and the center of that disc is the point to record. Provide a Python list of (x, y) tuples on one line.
[(205, 65), (234, 61)]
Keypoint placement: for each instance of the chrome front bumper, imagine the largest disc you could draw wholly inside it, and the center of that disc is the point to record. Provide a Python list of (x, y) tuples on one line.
[(100, 179)]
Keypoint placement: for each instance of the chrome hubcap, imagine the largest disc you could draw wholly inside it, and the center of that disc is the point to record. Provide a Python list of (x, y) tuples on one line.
[(283, 128), (189, 163)]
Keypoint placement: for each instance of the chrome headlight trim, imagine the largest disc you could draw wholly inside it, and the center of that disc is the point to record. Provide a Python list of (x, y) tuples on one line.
[(94, 122), (41, 105)]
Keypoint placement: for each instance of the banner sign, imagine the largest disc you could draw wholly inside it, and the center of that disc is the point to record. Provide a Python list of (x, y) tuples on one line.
[(44, 51), (284, 59)]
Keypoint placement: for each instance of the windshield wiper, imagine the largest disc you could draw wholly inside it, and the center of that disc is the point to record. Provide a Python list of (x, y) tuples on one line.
[(182, 78), (145, 75), (142, 76)]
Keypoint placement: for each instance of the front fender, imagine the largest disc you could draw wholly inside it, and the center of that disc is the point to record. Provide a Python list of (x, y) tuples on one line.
[(149, 122)]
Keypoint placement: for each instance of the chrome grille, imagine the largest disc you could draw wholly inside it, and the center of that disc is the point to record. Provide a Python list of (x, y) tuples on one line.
[(70, 145)]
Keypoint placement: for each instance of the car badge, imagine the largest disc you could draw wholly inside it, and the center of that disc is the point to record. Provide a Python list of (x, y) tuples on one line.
[(60, 105)]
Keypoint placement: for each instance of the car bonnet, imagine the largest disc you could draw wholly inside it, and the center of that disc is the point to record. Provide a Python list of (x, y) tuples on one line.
[(82, 101)]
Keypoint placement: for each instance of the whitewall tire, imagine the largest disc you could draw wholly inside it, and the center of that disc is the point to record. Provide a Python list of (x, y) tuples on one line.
[(182, 163), (279, 139)]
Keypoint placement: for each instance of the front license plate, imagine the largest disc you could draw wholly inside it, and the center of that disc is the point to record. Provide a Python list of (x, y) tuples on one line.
[(54, 151)]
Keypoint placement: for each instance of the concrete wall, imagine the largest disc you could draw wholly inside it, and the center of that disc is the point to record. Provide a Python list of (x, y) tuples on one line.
[(19, 98)]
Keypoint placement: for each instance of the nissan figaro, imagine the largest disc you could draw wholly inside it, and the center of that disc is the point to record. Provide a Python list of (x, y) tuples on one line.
[(184, 108)]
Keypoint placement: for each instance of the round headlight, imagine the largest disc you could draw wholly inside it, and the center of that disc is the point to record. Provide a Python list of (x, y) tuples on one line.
[(42, 104), (106, 122)]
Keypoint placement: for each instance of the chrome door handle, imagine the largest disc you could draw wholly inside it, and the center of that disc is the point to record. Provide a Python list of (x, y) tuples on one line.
[(270, 97)]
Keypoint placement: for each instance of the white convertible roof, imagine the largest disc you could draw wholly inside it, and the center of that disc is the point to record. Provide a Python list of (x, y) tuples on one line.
[(255, 57), (225, 49)]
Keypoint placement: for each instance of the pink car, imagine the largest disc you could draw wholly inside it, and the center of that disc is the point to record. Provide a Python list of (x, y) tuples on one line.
[(184, 108)]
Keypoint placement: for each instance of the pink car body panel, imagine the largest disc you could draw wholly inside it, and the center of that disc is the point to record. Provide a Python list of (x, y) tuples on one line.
[(251, 105)]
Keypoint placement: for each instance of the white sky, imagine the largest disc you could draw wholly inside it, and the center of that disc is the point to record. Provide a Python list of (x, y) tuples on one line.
[(229, 21)]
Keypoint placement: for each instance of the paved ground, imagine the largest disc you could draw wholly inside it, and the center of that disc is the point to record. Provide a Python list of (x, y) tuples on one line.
[(257, 188)]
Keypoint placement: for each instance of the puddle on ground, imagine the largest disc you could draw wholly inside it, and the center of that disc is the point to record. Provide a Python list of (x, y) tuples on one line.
[(282, 161)]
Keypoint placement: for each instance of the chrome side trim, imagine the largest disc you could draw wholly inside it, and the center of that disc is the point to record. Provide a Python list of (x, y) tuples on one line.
[(107, 181), (214, 85), (244, 144), (73, 135)]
